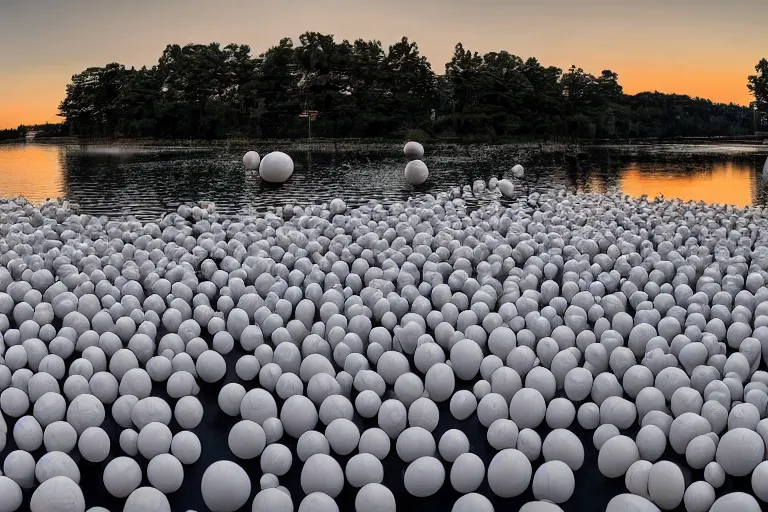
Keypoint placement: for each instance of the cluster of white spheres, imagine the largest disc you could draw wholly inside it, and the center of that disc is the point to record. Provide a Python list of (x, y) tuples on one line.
[(416, 171), (338, 337), (275, 167)]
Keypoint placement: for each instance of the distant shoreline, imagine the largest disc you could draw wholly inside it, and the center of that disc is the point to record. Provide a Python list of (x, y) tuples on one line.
[(243, 141)]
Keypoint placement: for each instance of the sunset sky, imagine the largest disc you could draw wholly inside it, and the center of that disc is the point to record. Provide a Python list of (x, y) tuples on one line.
[(697, 47)]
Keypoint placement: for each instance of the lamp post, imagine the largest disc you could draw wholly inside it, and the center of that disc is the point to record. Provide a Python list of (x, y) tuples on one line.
[(310, 115)]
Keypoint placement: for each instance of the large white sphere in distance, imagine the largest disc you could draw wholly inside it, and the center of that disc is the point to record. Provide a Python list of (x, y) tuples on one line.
[(251, 160), (276, 167), (416, 172), (413, 150)]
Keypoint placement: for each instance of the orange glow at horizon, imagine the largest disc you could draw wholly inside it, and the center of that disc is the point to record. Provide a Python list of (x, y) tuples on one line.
[(726, 183)]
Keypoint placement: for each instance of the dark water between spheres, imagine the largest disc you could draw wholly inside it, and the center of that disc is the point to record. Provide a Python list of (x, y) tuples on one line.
[(152, 181)]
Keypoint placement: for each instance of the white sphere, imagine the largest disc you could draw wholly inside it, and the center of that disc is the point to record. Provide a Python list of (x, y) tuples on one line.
[(58, 494), (666, 485), (19, 466), (310, 443), (714, 475), (413, 443), (473, 502), (740, 501), (343, 436), (318, 502), (186, 447), (367, 403), (413, 150), (527, 408), (56, 464), (251, 160), (276, 167), (636, 479), (225, 486), (59, 436), (154, 439), (424, 477), (147, 498), (165, 473), (616, 456), (553, 481), (298, 415), (149, 410), (129, 442), (699, 497), (651, 442), (509, 473), (210, 366), (392, 417), (246, 439), (502, 434), (321, 473), (375, 498), (740, 451), (11, 496), (276, 459), (28, 434), (453, 443), (424, 413), (625, 502), (563, 445), (85, 411), (466, 357), (507, 188), (760, 481), (230, 398), (363, 469), (188, 412), (376, 442), (272, 500), (122, 476), (467, 473), (416, 172), (94, 444)]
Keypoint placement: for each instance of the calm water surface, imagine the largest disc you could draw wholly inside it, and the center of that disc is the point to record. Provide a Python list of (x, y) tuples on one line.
[(147, 181)]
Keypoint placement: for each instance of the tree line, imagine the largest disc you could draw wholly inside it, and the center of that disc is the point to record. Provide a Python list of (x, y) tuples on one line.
[(361, 89)]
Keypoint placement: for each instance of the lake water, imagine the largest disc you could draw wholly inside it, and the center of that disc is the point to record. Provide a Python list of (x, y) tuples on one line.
[(147, 181)]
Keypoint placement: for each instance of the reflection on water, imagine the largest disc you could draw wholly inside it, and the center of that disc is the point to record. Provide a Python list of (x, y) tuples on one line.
[(30, 170), (729, 183), (148, 181)]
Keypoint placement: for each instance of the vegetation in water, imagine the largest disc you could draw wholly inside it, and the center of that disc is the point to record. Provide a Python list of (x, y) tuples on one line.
[(360, 89)]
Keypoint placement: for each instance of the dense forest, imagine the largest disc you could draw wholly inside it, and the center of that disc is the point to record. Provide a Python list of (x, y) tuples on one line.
[(361, 89)]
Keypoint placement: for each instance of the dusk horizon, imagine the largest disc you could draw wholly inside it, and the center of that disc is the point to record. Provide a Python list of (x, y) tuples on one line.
[(661, 47)]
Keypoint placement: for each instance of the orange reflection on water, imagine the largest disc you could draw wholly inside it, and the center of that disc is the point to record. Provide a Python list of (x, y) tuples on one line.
[(726, 183), (30, 170)]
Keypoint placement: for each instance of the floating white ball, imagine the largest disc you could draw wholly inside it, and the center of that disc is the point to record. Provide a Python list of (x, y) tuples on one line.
[(276, 167), (251, 160), (416, 172), (413, 150)]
